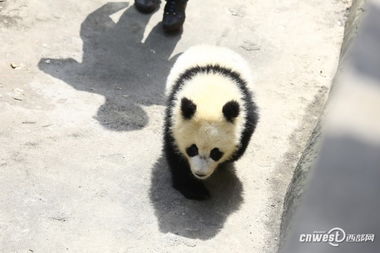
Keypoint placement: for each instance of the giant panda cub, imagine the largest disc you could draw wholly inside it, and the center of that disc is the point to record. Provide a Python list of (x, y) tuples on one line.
[(210, 115)]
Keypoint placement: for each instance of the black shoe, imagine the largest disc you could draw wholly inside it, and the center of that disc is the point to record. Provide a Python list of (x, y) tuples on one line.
[(174, 15), (147, 6)]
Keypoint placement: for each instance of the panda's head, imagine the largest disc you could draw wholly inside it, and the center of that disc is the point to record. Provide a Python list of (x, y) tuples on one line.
[(207, 135)]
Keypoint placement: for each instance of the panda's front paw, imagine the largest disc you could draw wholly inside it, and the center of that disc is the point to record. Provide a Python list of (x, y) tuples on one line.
[(194, 190)]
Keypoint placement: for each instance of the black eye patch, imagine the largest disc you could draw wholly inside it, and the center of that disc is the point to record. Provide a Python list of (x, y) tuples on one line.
[(216, 154), (192, 150)]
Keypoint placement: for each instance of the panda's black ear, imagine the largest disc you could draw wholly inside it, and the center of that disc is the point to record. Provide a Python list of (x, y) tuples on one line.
[(231, 110), (188, 108)]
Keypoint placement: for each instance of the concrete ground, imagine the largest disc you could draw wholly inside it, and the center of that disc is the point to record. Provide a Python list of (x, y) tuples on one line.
[(81, 114)]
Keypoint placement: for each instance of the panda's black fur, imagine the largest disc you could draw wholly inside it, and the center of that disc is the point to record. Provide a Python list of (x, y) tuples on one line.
[(182, 178)]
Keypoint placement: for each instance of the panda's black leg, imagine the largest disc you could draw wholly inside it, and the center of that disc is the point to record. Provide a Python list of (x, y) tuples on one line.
[(183, 180), (190, 187)]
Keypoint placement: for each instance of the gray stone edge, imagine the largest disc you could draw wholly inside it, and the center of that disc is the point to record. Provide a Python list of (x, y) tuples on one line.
[(302, 171)]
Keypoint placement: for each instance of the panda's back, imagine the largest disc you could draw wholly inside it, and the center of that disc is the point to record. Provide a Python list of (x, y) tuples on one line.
[(206, 55)]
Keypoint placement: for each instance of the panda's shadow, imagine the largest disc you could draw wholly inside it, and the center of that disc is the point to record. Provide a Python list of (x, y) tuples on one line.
[(119, 64), (191, 218)]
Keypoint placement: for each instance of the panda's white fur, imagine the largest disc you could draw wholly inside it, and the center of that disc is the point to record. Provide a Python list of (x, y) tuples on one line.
[(209, 91), (201, 55)]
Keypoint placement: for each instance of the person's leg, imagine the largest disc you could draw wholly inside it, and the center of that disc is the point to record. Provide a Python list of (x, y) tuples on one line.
[(174, 15), (147, 6)]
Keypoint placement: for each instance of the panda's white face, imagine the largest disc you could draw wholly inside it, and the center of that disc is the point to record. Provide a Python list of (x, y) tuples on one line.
[(207, 142), (208, 119)]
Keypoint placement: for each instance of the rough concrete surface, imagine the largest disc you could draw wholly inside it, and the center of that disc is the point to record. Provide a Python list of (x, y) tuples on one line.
[(81, 109)]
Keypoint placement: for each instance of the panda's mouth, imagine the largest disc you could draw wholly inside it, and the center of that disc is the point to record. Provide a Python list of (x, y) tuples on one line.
[(200, 176)]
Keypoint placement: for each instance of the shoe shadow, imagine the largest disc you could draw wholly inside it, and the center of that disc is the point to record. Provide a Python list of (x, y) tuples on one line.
[(191, 218), (116, 63)]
